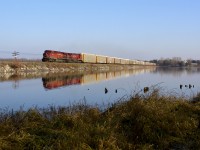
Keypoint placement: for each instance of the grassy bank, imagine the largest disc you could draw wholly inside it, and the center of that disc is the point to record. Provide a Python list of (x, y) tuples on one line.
[(153, 122)]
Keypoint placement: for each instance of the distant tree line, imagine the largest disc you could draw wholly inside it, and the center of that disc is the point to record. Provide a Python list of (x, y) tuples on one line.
[(176, 62)]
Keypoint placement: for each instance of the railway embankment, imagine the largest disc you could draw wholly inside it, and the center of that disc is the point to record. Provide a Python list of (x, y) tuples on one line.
[(31, 67)]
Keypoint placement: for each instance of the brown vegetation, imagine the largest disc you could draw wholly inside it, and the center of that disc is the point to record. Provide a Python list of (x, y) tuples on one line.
[(152, 122)]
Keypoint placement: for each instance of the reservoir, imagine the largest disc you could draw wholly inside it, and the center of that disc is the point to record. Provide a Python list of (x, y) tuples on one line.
[(103, 88)]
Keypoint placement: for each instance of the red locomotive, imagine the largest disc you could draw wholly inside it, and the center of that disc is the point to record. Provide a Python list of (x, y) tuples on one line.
[(50, 55)]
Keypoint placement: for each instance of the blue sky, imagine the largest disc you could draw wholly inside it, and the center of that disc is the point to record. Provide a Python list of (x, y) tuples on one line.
[(134, 29)]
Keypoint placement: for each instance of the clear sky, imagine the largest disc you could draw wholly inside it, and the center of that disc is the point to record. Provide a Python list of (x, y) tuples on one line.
[(135, 29)]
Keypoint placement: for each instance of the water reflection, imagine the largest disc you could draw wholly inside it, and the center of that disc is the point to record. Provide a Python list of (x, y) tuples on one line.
[(52, 81), (176, 71), (16, 78), (56, 80), (44, 88), (59, 81), (21, 76)]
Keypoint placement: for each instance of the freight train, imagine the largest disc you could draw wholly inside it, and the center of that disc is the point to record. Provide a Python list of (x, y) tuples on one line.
[(57, 56)]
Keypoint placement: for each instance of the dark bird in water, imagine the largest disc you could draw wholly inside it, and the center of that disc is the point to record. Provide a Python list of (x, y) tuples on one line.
[(106, 90), (190, 86), (181, 86), (116, 91), (146, 89)]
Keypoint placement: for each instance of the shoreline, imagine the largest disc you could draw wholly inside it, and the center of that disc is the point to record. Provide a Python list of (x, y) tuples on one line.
[(17, 67)]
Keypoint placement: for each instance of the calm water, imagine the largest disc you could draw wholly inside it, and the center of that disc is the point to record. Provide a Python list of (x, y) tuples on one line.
[(62, 89)]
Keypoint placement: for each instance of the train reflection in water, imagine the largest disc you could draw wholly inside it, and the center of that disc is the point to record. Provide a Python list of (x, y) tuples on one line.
[(53, 81), (59, 81)]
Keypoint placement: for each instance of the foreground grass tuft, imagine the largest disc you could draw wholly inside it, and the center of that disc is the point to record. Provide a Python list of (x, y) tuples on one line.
[(153, 122)]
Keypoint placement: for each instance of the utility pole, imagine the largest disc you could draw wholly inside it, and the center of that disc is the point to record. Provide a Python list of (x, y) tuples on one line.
[(15, 54), (15, 66), (15, 63)]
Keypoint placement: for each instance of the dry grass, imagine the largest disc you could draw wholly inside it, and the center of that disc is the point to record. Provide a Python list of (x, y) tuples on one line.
[(153, 122)]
